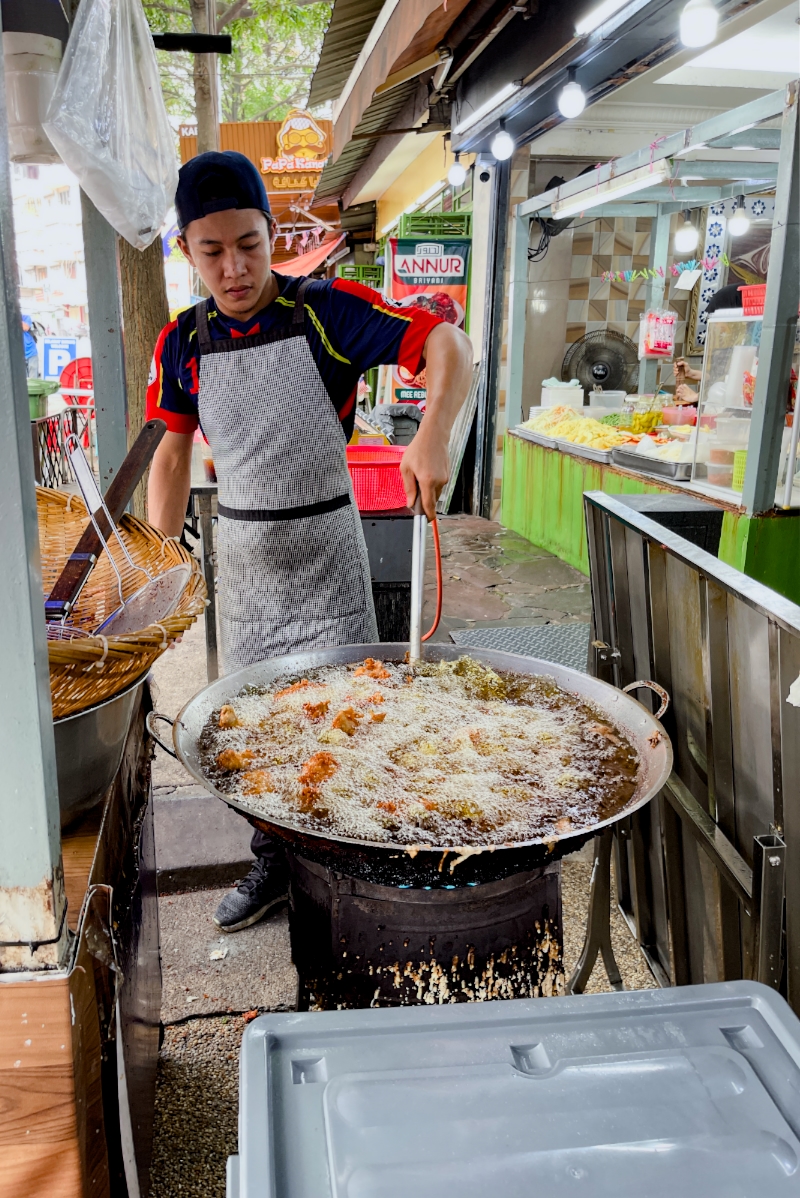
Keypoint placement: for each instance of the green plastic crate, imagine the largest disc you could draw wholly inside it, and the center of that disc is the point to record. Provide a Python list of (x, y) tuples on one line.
[(435, 224), (370, 276)]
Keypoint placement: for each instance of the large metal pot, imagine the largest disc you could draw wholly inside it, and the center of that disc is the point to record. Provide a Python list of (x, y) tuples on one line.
[(89, 748), (435, 865)]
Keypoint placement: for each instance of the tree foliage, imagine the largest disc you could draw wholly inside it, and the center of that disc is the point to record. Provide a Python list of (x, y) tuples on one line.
[(275, 49)]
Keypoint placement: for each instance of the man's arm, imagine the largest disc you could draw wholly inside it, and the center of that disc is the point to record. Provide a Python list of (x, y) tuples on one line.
[(169, 483), (448, 369)]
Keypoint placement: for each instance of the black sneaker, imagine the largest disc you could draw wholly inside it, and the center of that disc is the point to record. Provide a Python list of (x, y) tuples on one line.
[(256, 894)]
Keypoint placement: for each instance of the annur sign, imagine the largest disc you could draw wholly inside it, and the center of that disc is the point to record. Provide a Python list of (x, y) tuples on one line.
[(431, 262)]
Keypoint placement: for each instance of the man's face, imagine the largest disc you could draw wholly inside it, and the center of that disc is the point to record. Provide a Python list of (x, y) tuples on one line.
[(232, 253)]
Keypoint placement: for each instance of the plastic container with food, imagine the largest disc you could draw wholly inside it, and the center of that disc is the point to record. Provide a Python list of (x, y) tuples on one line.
[(556, 397), (733, 431), (720, 457), (686, 414), (719, 475), (610, 400)]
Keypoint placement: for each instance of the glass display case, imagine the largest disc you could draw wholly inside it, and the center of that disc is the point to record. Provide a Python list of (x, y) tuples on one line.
[(725, 403), (725, 406)]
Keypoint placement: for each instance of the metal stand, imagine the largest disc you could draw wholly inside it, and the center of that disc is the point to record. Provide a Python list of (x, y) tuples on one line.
[(598, 924), (202, 498)]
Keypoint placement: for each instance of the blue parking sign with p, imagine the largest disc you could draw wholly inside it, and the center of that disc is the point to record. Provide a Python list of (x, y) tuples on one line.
[(58, 352)]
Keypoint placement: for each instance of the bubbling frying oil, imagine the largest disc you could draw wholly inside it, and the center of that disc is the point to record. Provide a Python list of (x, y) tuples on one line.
[(443, 753)]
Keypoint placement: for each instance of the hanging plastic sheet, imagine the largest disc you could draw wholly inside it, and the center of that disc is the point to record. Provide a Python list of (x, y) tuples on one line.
[(108, 122)]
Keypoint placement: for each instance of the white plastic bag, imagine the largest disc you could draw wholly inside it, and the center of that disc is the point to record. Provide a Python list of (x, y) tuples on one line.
[(108, 122)]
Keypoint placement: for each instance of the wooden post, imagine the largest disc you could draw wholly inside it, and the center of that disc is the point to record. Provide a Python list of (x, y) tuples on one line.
[(144, 314)]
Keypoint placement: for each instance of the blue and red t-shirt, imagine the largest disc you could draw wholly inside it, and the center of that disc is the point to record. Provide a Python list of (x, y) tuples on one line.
[(350, 328)]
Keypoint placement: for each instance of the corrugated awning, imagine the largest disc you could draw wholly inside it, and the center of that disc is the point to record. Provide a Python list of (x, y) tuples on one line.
[(394, 29), (305, 264), (379, 116), (348, 30)]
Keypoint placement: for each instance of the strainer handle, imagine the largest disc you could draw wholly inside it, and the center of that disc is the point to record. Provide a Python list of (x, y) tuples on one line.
[(150, 720), (653, 686)]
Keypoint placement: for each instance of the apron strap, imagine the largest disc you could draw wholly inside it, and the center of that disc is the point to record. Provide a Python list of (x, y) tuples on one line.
[(299, 306), (203, 335)]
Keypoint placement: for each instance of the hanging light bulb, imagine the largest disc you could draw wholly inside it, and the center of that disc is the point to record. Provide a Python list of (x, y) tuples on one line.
[(686, 237), (457, 174), (502, 146), (699, 21), (572, 99), (740, 222)]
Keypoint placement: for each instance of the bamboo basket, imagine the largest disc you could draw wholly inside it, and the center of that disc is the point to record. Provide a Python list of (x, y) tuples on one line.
[(89, 670)]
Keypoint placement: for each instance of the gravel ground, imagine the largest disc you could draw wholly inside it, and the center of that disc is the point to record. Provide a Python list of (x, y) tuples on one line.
[(575, 879), (197, 1104)]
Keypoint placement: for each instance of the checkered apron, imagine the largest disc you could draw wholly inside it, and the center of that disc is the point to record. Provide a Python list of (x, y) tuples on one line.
[(292, 562)]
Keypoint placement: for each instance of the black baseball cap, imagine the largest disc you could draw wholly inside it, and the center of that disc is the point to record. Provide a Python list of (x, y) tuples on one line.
[(216, 182)]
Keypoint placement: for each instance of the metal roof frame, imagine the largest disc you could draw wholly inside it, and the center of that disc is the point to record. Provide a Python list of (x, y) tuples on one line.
[(675, 146), (636, 38)]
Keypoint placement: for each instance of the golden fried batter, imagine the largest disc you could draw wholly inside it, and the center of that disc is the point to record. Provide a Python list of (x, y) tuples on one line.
[(319, 767), (316, 711), (235, 759), (296, 686), (347, 720), (371, 669), (227, 717), (256, 782)]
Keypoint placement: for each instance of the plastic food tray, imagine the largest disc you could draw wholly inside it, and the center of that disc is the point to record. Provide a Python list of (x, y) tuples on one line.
[(693, 1091), (538, 438), (584, 451), (681, 471)]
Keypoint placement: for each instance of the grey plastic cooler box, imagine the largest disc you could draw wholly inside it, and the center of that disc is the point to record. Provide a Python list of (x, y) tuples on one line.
[(684, 1093)]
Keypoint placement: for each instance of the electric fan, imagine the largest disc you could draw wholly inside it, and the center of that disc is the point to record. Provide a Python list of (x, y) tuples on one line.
[(603, 359)]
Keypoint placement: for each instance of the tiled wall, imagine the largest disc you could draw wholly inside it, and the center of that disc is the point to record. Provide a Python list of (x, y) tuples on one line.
[(618, 244)]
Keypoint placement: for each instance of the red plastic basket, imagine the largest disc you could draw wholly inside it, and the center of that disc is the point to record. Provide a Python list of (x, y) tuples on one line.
[(375, 471), (753, 299)]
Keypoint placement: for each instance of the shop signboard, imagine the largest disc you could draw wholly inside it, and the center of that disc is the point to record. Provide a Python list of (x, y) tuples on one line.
[(58, 352), (290, 156), (431, 273)]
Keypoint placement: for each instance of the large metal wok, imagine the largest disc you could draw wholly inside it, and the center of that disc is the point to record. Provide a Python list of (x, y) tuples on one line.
[(430, 865)]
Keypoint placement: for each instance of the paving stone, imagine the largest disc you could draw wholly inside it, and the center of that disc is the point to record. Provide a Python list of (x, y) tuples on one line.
[(256, 971), (549, 571), (200, 843), (571, 599)]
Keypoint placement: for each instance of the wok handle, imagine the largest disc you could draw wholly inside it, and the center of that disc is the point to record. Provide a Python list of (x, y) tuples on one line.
[(150, 720), (653, 686)]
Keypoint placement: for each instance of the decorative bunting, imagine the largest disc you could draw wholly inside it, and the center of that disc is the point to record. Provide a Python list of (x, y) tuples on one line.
[(677, 268)]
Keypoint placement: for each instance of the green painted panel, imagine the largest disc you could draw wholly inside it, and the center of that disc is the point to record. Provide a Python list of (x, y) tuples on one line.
[(542, 500), (542, 496), (773, 552)]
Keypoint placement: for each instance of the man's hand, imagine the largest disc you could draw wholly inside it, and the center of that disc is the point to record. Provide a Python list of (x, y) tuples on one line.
[(448, 367)]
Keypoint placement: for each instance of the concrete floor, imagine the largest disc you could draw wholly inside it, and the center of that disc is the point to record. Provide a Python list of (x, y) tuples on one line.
[(492, 577)]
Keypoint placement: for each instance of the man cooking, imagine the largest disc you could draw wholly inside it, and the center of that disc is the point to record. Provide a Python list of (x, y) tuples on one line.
[(269, 367)]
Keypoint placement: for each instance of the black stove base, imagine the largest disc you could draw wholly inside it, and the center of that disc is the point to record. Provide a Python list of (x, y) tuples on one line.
[(356, 944)]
